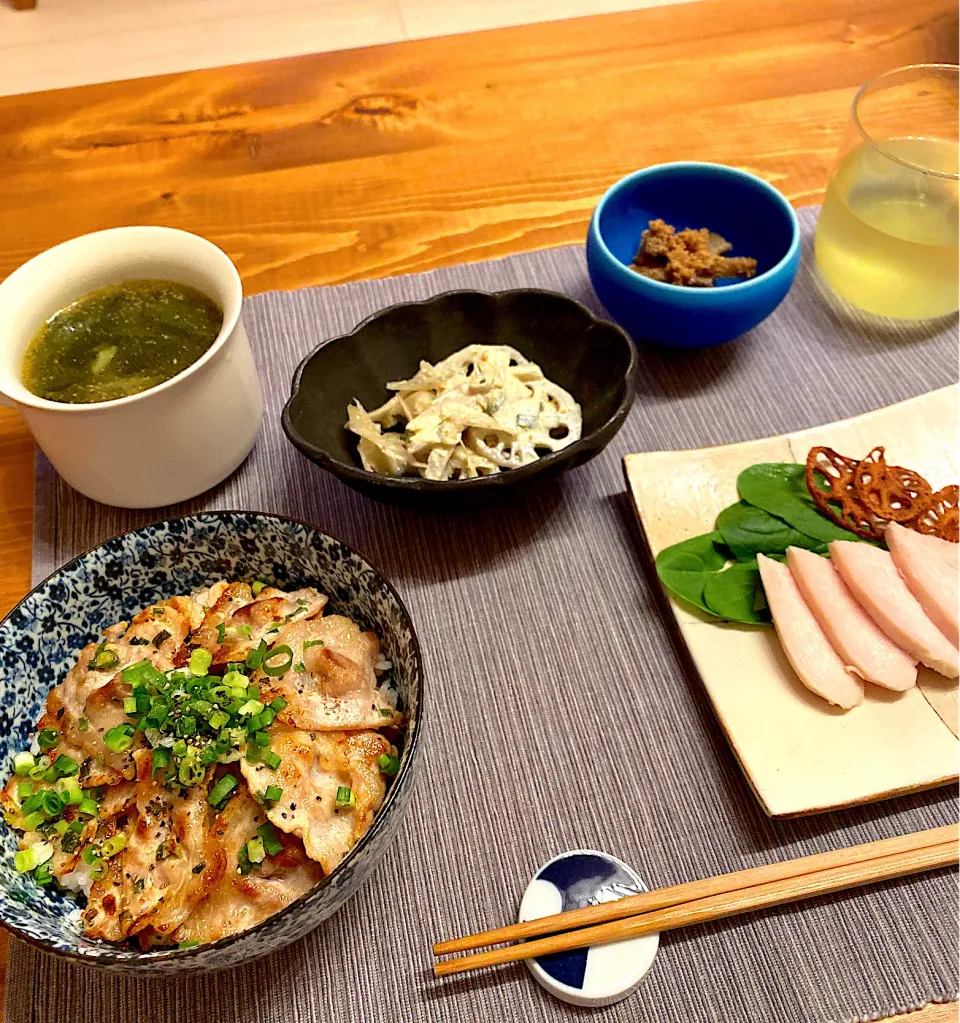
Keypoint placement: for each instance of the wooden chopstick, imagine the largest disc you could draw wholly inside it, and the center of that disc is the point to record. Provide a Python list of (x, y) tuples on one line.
[(926, 850)]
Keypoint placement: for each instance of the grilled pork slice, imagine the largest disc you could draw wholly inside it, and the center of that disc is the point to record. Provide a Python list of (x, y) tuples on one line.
[(331, 684), (873, 579), (314, 768), (807, 648), (171, 861), (930, 578), (237, 622), (89, 701), (240, 901), (852, 632)]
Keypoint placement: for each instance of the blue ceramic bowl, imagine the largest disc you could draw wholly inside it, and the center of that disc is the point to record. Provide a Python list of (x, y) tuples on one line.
[(749, 213), (40, 640)]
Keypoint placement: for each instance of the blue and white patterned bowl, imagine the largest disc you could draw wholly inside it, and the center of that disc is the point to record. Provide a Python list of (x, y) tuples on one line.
[(41, 638)]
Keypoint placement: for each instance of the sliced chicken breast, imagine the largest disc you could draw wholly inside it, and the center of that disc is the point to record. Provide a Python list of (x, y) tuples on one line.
[(930, 578), (806, 645), (949, 552), (313, 768), (873, 579), (861, 644)]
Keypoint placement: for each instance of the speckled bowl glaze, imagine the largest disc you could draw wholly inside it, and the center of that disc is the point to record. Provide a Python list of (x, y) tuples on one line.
[(41, 638)]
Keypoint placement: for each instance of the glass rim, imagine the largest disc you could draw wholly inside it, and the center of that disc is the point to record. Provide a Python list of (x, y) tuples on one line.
[(869, 84)]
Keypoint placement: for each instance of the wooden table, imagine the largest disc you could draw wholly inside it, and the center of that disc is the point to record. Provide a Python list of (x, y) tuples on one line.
[(400, 158)]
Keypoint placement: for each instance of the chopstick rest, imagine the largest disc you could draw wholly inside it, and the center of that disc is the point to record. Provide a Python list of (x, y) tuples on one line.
[(587, 976)]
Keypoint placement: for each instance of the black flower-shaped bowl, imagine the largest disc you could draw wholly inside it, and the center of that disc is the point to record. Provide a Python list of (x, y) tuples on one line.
[(592, 359)]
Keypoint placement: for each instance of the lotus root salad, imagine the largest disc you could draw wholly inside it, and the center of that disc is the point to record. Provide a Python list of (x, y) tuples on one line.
[(205, 764), (478, 412)]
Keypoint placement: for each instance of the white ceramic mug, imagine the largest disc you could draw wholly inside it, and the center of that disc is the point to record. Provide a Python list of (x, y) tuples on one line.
[(170, 442)]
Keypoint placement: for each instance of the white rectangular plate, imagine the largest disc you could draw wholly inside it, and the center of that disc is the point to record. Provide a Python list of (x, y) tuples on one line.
[(800, 755)]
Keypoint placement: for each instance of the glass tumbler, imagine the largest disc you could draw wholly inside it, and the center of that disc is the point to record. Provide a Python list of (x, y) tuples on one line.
[(887, 237)]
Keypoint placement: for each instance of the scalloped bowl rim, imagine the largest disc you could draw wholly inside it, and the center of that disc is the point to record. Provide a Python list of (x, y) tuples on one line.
[(418, 483), (106, 957)]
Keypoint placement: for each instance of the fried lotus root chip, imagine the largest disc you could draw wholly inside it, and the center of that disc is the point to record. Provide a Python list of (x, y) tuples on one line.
[(942, 517), (891, 492), (826, 466)]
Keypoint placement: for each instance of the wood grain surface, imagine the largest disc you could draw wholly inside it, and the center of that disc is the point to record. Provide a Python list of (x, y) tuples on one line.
[(400, 158)]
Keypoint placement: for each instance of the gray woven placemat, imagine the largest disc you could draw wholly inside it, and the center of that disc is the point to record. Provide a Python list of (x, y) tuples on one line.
[(559, 714)]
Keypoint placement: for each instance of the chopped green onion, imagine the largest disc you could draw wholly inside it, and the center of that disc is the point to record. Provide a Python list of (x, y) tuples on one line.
[(190, 772), (179, 748), (271, 843), (278, 704), (24, 789), (300, 666), (255, 850), (25, 860), (33, 820), (255, 657), (42, 874), (257, 588), (48, 738), (88, 806), (187, 725), (83, 724), (130, 705), (98, 870), (345, 798), (243, 630), (51, 804), (253, 692), (61, 827), (218, 719), (388, 764), (103, 659), (243, 861), (221, 632), (65, 766), (184, 945), (76, 827), (253, 754), (271, 759), (260, 739), (307, 643), (250, 707), (220, 792), (88, 855), (277, 669), (119, 739), (34, 802), (114, 845), (237, 682), (143, 673), (200, 661), (272, 794), (69, 842), (161, 637), (161, 759), (69, 789)]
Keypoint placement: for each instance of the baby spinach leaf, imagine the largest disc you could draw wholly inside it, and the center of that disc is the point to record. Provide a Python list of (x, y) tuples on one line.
[(684, 567), (780, 488), (749, 531), (737, 595)]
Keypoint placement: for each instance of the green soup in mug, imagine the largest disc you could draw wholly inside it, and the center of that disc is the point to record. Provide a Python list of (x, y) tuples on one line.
[(120, 340)]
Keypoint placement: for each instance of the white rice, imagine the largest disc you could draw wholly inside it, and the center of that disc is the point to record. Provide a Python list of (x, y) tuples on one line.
[(78, 880), (383, 664)]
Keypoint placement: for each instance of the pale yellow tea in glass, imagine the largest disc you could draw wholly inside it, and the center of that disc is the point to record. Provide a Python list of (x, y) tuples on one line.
[(887, 238)]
